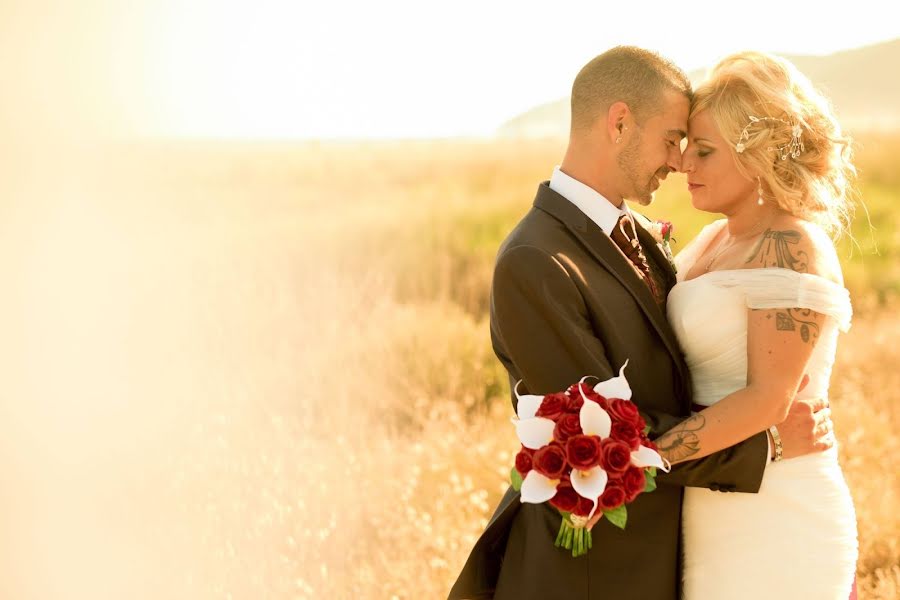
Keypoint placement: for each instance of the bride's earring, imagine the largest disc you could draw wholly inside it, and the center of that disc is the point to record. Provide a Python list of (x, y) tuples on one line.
[(760, 201)]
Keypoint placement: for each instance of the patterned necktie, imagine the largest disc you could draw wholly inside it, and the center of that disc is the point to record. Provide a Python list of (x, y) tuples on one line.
[(625, 237)]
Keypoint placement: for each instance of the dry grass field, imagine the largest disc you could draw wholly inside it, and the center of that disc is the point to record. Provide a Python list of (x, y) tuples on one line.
[(264, 371)]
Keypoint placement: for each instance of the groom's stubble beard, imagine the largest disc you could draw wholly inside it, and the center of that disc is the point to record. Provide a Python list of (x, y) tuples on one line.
[(630, 164)]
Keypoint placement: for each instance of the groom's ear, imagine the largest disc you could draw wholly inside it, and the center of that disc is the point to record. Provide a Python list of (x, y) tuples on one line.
[(618, 118)]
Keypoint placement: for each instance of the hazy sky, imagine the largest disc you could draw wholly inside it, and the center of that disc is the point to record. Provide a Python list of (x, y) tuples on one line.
[(335, 68)]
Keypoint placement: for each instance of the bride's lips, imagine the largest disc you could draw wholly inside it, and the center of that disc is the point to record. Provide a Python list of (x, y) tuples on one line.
[(693, 186)]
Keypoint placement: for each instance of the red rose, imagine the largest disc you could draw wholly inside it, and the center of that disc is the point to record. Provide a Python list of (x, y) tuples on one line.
[(583, 508), (626, 433), (625, 410), (550, 461), (575, 403), (566, 498), (573, 390), (553, 406), (666, 229), (583, 451), (578, 392), (615, 457), (567, 426), (523, 462), (612, 497), (598, 398), (634, 482)]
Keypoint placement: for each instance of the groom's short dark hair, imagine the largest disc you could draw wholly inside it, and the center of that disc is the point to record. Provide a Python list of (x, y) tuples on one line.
[(626, 74)]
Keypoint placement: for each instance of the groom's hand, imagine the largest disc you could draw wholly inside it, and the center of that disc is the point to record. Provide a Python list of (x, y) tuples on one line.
[(807, 428)]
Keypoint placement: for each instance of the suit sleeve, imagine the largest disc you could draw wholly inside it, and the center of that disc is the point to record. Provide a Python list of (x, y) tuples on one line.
[(541, 322)]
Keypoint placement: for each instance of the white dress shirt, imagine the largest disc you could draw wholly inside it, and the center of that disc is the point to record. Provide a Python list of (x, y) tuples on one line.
[(594, 205)]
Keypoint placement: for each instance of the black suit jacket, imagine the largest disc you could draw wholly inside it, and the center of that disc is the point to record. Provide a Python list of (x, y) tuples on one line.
[(565, 303)]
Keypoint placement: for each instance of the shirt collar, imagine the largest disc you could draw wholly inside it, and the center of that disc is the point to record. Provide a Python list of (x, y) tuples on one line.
[(594, 205)]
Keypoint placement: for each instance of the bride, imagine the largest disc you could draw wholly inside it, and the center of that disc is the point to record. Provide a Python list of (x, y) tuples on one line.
[(759, 303)]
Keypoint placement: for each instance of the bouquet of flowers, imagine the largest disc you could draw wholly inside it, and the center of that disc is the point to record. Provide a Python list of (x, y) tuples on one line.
[(582, 450)]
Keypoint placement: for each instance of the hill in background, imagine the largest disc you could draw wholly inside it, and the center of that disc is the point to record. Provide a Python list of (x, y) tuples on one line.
[(862, 83)]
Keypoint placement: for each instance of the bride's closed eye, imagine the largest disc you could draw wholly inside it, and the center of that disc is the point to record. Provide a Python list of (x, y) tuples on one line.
[(702, 150)]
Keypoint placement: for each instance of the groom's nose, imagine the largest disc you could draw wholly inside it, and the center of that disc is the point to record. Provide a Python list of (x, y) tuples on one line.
[(674, 162)]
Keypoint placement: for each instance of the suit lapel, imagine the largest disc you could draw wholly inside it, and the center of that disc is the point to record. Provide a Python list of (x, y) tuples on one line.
[(607, 254)]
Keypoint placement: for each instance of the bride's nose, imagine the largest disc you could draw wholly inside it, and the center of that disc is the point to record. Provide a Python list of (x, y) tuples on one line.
[(687, 164)]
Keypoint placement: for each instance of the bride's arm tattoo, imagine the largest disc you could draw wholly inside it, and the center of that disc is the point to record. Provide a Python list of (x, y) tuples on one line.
[(774, 250), (798, 319), (682, 442), (802, 320)]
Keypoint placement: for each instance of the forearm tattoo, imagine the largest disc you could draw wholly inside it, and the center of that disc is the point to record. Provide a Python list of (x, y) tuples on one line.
[(682, 441), (774, 250)]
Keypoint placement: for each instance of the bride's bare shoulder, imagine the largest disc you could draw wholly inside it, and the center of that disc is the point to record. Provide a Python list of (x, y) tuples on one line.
[(799, 245), (705, 235)]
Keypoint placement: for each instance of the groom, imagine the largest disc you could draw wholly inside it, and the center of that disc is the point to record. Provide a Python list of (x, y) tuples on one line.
[(579, 288)]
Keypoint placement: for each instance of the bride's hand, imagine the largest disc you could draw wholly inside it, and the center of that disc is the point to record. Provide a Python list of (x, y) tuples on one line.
[(807, 428)]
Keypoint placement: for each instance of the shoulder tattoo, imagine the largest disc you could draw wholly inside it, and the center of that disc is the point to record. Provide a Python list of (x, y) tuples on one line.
[(777, 249)]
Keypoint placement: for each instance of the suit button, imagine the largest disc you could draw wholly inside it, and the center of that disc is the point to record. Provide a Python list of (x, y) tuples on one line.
[(714, 487)]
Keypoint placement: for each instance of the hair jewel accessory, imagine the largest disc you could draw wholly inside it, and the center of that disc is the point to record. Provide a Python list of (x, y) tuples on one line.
[(792, 148)]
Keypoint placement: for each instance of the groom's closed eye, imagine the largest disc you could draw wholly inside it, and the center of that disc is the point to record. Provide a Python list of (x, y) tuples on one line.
[(675, 136)]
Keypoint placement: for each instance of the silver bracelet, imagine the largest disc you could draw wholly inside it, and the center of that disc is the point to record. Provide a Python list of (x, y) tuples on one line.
[(779, 447)]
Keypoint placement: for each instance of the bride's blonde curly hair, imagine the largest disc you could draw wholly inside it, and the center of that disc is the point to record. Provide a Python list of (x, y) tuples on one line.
[(816, 185)]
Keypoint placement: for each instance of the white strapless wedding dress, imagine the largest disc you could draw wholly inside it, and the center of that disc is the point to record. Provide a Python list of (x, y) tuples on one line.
[(796, 538)]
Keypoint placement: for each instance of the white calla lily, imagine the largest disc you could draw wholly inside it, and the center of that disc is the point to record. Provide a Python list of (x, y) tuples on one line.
[(537, 488), (586, 377), (617, 387), (527, 405), (594, 420), (589, 484), (648, 457), (535, 432)]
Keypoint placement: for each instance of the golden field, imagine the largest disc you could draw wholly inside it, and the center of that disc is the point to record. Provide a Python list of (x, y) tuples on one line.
[(264, 370)]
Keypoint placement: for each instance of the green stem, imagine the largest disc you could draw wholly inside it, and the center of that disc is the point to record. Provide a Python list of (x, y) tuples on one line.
[(562, 533)]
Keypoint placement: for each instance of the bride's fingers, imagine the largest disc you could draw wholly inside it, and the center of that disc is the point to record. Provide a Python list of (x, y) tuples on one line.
[(822, 416), (825, 442), (824, 428), (818, 404)]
